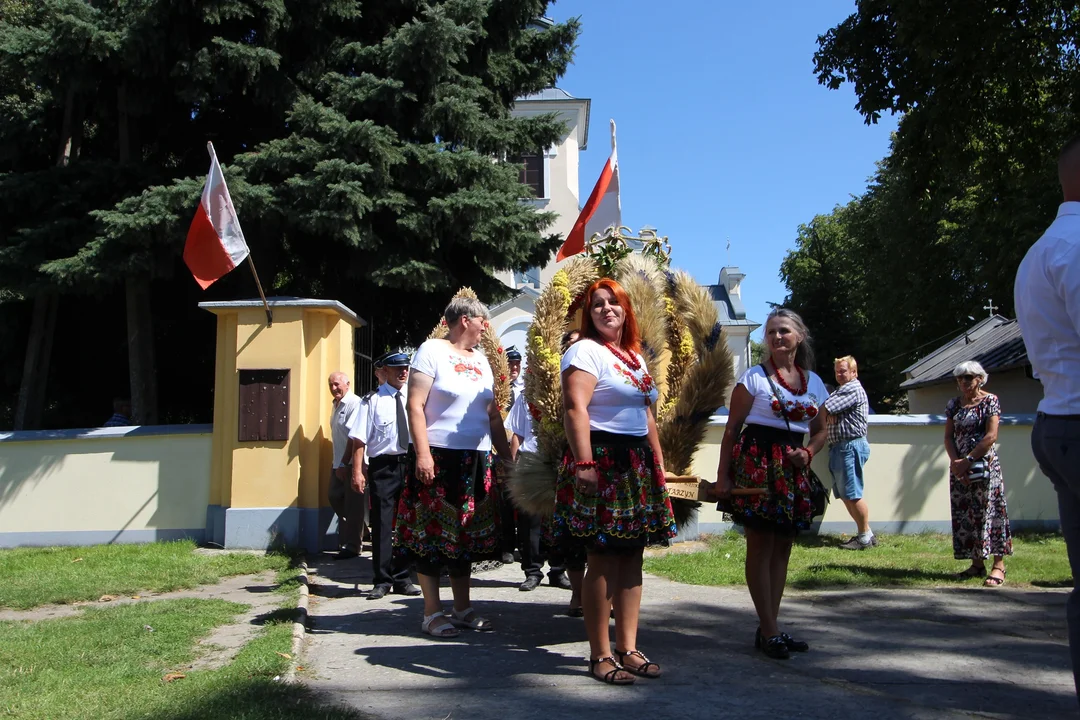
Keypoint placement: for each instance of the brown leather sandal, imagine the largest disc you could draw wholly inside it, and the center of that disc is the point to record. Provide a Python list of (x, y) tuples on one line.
[(642, 670), (612, 677)]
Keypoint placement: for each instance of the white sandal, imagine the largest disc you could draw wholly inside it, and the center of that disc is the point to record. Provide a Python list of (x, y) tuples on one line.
[(446, 630), (468, 618)]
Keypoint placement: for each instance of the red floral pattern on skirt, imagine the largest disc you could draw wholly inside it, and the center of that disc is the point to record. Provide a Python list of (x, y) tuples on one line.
[(759, 461), (631, 507), (456, 517)]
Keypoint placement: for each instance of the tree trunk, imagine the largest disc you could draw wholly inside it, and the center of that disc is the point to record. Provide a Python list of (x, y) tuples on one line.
[(142, 368), (30, 407), (31, 404)]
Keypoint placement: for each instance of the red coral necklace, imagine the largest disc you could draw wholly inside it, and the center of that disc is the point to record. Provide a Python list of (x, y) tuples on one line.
[(630, 361), (780, 379)]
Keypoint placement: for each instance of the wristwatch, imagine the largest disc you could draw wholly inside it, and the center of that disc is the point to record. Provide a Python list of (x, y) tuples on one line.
[(970, 459)]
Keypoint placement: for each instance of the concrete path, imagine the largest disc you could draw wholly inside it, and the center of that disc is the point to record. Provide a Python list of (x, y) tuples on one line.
[(876, 655)]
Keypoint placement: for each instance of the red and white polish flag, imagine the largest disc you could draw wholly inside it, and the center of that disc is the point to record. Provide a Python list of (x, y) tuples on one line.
[(215, 243), (602, 210)]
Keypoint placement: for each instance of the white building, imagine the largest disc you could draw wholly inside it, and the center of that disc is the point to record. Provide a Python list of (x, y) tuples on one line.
[(553, 175)]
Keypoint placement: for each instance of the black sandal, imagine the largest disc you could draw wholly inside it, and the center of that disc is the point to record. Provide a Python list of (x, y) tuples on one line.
[(612, 677), (793, 644), (641, 670), (789, 642), (776, 648)]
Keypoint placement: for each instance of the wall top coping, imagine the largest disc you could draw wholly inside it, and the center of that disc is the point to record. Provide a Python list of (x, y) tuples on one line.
[(1008, 419), (109, 433), (142, 431), (217, 306)]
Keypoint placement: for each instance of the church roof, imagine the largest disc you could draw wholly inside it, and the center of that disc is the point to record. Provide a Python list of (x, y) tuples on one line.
[(731, 308), (548, 94), (555, 95), (994, 343)]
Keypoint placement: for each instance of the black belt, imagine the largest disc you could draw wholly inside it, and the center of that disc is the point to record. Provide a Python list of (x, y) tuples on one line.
[(386, 459), (1057, 417)]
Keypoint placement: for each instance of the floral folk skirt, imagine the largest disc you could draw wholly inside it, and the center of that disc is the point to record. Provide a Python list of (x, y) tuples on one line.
[(759, 460), (631, 508), (456, 518)]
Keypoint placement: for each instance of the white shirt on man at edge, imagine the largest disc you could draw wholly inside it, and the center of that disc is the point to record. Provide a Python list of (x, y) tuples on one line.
[(376, 423), (1047, 300), (519, 422), (617, 405), (341, 417), (462, 389)]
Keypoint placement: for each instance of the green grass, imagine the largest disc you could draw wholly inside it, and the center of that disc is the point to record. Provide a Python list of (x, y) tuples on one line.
[(35, 576), (104, 663), (922, 560)]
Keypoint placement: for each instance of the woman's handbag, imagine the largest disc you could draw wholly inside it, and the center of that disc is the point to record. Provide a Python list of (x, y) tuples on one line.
[(978, 472), (819, 495)]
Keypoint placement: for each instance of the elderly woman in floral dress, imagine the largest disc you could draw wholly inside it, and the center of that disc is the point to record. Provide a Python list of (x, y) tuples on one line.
[(980, 520)]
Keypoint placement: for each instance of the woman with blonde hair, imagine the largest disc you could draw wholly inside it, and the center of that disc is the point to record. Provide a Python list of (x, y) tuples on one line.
[(778, 402), (980, 520), (611, 499), (448, 513)]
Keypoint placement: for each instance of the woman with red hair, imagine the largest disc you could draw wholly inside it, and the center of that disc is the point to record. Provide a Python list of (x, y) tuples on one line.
[(611, 498)]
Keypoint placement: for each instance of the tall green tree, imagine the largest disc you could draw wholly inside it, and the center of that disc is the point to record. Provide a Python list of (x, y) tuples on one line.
[(986, 95), (363, 144)]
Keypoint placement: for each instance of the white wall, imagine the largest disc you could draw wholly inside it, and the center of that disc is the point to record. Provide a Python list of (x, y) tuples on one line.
[(78, 487), (907, 477)]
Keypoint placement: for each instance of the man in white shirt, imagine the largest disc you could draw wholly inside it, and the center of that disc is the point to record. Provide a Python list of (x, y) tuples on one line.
[(509, 517), (381, 429), (530, 528), (1047, 299), (347, 502)]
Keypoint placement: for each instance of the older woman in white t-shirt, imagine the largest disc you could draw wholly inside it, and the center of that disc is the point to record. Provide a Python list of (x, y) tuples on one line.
[(448, 515), (611, 498), (768, 456)]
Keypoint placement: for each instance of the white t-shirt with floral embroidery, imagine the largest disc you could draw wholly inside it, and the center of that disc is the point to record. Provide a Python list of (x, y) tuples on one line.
[(457, 406), (801, 409), (618, 403)]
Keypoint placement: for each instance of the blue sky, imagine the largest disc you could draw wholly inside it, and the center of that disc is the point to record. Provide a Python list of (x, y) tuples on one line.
[(723, 129)]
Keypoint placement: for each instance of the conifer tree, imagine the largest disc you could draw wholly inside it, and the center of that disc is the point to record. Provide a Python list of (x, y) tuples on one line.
[(364, 144)]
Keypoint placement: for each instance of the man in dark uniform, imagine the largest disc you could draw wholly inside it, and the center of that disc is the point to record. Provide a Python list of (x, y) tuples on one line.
[(381, 430)]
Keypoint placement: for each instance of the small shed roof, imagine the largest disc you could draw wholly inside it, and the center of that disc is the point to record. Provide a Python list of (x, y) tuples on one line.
[(994, 343)]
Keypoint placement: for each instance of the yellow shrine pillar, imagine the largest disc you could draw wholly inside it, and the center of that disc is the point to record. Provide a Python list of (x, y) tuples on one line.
[(271, 448)]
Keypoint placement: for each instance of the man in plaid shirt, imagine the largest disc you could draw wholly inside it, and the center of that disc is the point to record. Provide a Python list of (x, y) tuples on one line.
[(847, 411)]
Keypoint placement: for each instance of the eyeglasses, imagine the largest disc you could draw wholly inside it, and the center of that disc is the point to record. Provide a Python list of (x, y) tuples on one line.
[(966, 377)]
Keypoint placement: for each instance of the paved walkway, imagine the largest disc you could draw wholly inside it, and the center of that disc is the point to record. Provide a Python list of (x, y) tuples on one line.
[(876, 655)]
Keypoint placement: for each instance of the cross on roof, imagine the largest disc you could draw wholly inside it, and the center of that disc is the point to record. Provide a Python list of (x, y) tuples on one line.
[(991, 307)]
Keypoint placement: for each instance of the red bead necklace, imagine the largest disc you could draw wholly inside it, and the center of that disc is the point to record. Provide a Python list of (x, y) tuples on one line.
[(630, 361), (802, 380)]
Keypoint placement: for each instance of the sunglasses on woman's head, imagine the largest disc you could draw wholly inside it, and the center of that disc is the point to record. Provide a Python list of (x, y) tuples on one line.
[(967, 378)]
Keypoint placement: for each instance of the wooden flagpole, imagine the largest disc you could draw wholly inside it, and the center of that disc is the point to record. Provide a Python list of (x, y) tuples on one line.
[(269, 313)]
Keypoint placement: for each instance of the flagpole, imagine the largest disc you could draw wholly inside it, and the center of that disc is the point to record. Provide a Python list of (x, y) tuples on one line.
[(251, 263), (269, 314)]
